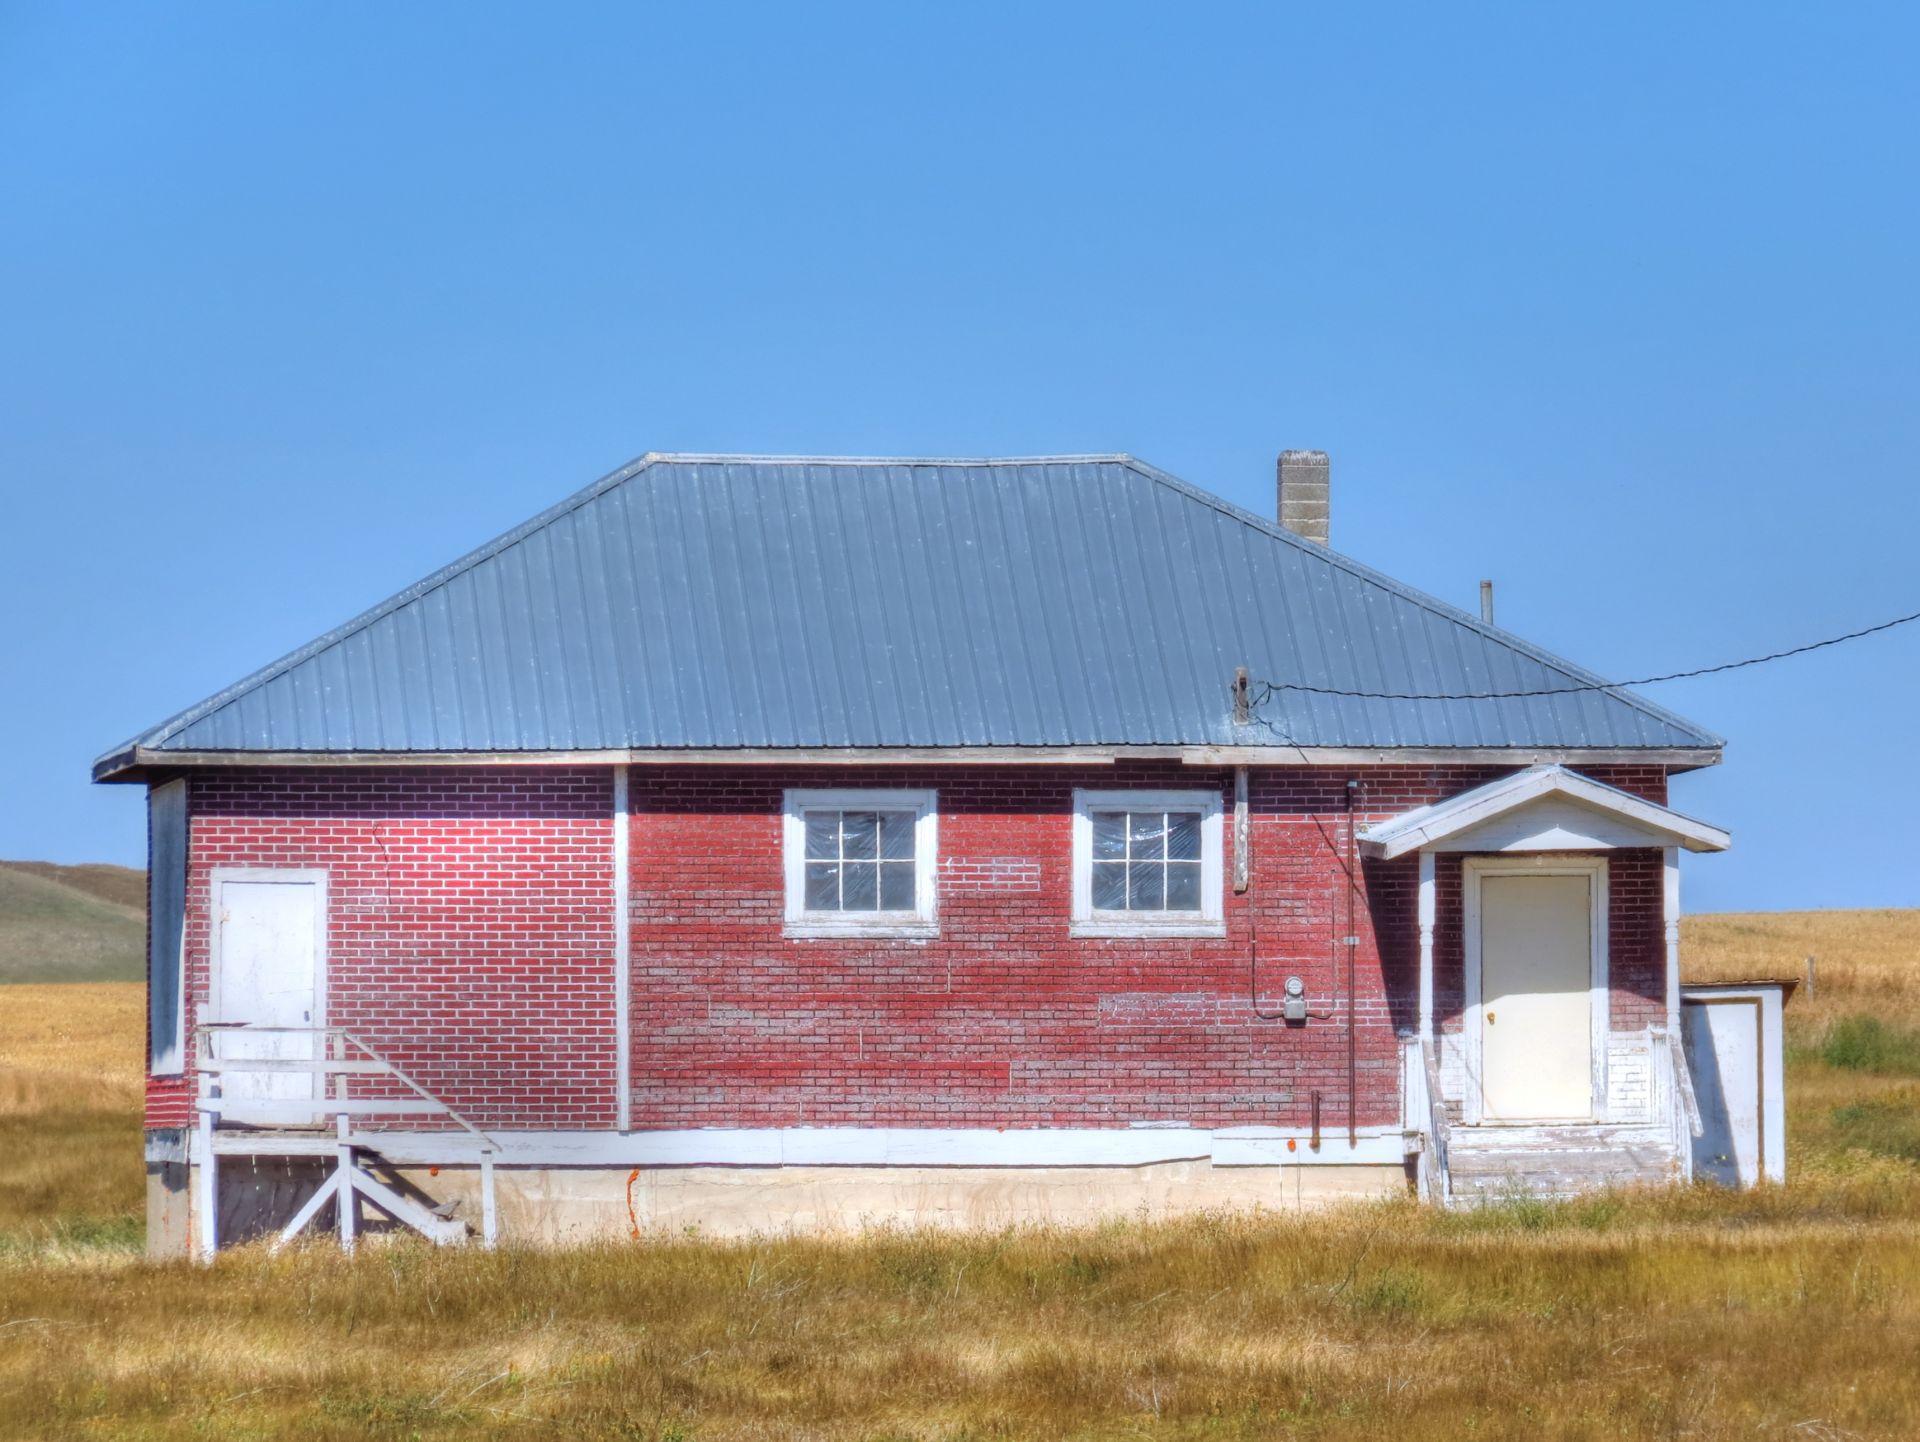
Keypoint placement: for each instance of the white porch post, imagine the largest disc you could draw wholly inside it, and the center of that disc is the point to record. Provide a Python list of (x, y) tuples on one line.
[(1670, 915), (1427, 910)]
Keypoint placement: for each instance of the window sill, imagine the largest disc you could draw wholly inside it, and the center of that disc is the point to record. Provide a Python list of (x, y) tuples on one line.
[(1147, 928), (856, 930)]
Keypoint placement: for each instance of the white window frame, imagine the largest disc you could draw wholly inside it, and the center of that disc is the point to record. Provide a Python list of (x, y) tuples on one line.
[(1210, 920), (922, 921)]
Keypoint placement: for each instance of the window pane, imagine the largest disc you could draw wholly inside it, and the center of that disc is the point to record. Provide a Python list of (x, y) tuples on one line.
[(896, 886), (823, 835), (1109, 886), (1183, 836), (1147, 835), (1146, 886), (1183, 886), (859, 889), (823, 886), (896, 835), (857, 834), (1110, 835)]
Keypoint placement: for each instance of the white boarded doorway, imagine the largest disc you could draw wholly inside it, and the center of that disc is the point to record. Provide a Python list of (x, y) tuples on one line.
[(1536, 989), (1733, 1049), (269, 970)]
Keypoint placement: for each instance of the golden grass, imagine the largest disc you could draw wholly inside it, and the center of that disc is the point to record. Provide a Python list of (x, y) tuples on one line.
[(1787, 1312), (1867, 961), (70, 1094), (1709, 1317)]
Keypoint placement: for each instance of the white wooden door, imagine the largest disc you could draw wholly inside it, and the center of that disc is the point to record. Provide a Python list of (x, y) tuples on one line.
[(1536, 1010), (267, 972), (1723, 1052)]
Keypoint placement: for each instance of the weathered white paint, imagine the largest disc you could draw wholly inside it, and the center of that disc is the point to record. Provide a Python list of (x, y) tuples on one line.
[(1670, 930), (622, 882), (1210, 920), (1242, 831), (268, 970), (166, 929), (1734, 1053), (1475, 871), (1544, 808), (1428, 910), (1039, 1147)]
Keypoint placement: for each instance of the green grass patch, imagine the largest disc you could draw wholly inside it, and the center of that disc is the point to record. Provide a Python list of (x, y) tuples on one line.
[(1888, 1128), (1869, 1044), (52, 931)]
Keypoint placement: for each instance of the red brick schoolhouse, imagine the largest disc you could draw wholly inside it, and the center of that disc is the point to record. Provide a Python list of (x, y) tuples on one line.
[(768, 843)]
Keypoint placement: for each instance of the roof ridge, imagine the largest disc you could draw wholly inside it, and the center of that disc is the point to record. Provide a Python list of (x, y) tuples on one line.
[(727, 458), (1443, 609)]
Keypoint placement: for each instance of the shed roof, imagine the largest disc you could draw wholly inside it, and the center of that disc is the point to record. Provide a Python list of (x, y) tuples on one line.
[(735, 604)]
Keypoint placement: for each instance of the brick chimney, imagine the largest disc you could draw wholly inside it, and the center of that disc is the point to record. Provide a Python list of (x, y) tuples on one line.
[(1305, 497)]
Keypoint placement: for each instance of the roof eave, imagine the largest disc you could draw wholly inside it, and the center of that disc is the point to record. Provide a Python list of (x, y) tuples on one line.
[(133, 761)]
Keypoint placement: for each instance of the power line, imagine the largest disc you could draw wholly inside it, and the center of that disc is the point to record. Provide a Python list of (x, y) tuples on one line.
[(1267, 688)]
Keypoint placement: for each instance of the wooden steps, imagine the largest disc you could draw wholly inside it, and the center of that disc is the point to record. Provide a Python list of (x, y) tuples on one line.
[(268, 1091), (1487, 1163)]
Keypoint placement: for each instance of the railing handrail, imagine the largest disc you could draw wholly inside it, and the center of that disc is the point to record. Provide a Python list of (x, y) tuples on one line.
[(1441, 1129), (1424, 1112), (205, 1032), (1683, 1084)]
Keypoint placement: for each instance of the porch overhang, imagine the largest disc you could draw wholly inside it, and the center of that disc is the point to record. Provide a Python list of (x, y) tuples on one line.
[(1543, 808)]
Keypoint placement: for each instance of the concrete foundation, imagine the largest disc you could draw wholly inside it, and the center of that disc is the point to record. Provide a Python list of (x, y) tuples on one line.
[(569, 1205), (564, 1205)]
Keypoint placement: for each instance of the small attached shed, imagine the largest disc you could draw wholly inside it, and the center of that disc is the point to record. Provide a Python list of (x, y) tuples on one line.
[(1736, 1053)]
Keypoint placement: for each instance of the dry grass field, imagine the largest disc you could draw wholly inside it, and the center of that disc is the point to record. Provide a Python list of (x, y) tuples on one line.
[(1790, 1312)]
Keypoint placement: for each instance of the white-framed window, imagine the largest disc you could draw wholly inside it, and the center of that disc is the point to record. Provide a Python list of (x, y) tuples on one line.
[(860, 863), (1147, 863)]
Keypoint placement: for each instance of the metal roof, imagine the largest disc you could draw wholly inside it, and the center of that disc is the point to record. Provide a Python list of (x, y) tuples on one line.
[(732, 602)]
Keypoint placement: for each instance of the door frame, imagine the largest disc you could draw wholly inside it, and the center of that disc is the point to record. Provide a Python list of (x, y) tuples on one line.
[(1475, 869), (317, 877)]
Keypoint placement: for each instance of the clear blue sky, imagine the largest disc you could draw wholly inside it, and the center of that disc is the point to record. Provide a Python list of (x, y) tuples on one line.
[(1618, 307)]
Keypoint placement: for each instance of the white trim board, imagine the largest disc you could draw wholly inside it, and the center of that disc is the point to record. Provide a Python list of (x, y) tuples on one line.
[(1544, 808), (1473, 870), (126, 765), (866, 1147), (622, 882)]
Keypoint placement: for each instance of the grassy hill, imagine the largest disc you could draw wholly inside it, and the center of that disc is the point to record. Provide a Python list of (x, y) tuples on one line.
[(71, 923)]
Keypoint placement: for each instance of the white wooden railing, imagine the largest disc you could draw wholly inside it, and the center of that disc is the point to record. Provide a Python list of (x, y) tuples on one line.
[(1424, 1116), (1673, 1100), (335, 1065)]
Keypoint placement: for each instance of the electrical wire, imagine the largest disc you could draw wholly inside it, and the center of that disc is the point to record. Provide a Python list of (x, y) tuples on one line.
[(1268, 688)]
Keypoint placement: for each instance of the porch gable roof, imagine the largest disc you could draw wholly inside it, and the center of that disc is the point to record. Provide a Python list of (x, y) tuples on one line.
[(1550, 796)]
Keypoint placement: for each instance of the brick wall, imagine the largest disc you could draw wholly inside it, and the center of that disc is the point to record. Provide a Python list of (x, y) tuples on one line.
[(1005, 1019), (470, 924), (474, 905)]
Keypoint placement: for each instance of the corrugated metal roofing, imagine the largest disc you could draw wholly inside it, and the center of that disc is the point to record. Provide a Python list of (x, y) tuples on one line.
[(735, 602)]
